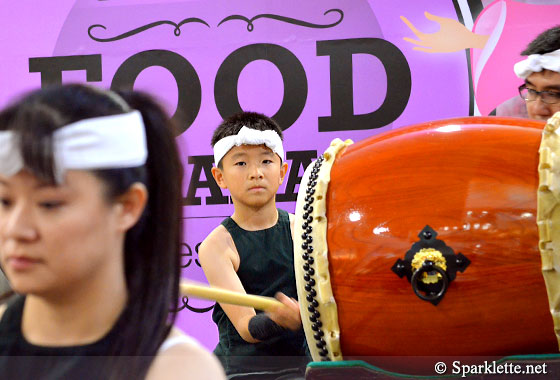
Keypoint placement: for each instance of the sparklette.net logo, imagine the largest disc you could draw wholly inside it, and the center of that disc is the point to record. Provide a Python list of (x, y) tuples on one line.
[(490, 368)]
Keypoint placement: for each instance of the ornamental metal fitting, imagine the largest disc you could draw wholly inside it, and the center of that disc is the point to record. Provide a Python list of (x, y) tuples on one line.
[(430, 265)]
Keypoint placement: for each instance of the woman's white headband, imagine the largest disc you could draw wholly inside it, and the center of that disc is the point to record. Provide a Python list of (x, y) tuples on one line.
[(537, 62), (248, 136), (107, 142)]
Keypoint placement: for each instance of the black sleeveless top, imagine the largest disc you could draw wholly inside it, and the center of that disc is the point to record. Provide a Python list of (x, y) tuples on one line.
[(20, 359), (266, 267)]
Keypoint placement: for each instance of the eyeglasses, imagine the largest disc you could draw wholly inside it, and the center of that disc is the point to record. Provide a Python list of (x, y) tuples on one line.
[(548, 97)]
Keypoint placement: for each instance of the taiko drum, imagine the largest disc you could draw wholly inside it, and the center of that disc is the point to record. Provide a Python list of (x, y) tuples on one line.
[(459, 192)]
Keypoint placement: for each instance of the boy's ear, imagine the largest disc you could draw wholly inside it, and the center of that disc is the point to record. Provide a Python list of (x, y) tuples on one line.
[(283, 171), (219, 177), (130, 205)]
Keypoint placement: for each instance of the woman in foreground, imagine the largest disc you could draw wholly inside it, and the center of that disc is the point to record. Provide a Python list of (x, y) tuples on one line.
[(90, 233)]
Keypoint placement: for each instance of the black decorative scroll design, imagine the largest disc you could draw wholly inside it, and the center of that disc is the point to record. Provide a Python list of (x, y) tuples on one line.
[(250, 25), (141, 29), (185, 301)]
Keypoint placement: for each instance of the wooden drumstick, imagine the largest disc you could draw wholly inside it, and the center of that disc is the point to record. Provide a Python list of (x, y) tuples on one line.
[(228, 296)]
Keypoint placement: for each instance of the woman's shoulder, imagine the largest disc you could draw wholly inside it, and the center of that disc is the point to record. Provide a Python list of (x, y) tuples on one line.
[(182, 357), (3, 308)]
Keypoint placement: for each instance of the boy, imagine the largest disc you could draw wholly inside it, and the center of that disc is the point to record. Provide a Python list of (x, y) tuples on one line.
[(252, 251), (541, 72)]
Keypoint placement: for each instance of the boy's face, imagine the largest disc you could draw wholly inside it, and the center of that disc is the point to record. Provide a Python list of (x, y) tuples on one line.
[(545, 80), (252, 173)]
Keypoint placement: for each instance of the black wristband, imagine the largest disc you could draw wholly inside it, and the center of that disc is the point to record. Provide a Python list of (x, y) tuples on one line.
[(261, 327)]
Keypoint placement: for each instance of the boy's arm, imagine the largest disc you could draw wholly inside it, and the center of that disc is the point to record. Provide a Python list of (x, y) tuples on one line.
[(219, 259)]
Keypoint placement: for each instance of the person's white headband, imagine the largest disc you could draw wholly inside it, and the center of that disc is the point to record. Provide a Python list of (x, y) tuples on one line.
[(106, 142), (249, 136), (537, 62)]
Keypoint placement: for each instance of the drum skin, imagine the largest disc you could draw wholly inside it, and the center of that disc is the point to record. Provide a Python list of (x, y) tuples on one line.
[(474, 181)]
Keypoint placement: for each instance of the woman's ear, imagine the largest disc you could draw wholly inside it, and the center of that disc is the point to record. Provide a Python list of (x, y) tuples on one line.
[(219, 177), (131, 204)]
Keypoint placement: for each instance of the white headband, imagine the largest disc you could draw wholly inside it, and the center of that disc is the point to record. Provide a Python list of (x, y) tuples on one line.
[(537, 62), (249, 136), (106, 142)]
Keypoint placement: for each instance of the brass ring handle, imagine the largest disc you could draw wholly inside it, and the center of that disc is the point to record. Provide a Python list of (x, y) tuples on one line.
[(429, 266)]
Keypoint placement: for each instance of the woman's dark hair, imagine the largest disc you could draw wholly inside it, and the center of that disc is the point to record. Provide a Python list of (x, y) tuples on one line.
[(546, 42), (152, 247)]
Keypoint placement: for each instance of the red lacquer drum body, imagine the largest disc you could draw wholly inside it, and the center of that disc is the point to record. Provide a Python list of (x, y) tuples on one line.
[(472, 183)]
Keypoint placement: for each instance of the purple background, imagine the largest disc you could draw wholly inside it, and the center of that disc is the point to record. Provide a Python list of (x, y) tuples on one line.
[(440, 82)]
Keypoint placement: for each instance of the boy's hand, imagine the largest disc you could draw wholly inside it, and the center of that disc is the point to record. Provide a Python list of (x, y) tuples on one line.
[(287, 316)]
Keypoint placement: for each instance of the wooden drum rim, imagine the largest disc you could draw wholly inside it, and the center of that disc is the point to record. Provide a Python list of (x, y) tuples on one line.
[(317, 304), (548, 214)]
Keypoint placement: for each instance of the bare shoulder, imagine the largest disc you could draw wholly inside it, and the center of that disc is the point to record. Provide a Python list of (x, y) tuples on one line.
[(218, 246), (218, 236), (181, 357), (217, 241)]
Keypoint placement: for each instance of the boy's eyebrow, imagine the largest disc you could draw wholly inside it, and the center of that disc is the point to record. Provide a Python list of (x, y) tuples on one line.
[(238, 155), (44, 185), (242, 154)]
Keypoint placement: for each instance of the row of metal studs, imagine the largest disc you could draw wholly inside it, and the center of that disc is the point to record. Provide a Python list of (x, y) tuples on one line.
[(314, 315)]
